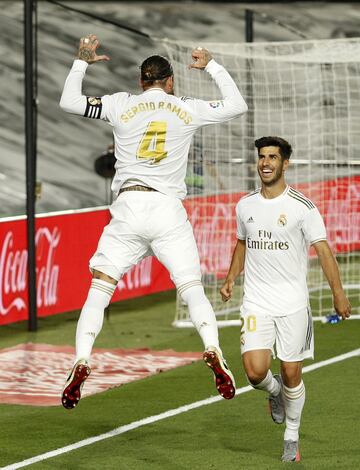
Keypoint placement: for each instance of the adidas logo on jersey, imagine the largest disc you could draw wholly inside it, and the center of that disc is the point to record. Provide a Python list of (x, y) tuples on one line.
[(250, 220)]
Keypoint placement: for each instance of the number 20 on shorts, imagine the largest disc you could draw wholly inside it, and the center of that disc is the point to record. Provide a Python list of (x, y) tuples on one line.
[(152, 144), (249, 324)]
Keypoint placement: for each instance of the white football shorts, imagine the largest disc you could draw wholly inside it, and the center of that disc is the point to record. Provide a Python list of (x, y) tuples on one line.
[(143, 224), (292, 335)]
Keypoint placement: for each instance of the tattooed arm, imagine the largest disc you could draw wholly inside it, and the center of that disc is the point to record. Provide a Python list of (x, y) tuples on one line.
[(72, 100)]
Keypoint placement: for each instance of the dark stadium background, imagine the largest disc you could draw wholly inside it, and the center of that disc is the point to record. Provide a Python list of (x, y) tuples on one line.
[(68, 147)]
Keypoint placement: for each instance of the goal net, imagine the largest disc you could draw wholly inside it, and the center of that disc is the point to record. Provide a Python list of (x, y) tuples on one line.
[(306, 92)]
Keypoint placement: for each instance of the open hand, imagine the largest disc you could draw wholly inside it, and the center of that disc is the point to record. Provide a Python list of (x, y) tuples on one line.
[(201, 58), (87, 50)]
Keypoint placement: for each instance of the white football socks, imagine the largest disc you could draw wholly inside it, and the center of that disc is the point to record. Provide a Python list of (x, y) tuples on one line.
[(294, 400), (269, 384), (92, 317), (202, 314)]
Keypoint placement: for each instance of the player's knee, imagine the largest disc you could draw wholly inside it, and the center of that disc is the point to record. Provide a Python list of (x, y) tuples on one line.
[(255, 370), (255, 376), (256, 364), (291, 373)]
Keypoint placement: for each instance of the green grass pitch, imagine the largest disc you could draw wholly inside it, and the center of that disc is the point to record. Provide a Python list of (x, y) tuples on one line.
[(235, 434)]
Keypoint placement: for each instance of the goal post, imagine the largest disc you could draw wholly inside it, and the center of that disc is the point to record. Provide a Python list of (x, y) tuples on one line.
[(306, 92)]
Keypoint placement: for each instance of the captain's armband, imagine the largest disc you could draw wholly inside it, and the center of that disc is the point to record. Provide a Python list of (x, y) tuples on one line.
[(93, 107)]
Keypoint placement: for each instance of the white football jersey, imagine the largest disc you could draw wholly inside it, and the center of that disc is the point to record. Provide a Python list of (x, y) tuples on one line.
[(153, 130), (277, 233)]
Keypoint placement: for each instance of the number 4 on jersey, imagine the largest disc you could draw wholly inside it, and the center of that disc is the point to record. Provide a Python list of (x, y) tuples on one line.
[(152, 144)]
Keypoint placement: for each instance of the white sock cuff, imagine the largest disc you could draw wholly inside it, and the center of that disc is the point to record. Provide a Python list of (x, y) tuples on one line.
[(188, 285), (294, 393), (267, 384), (103, 286), (264, 381)]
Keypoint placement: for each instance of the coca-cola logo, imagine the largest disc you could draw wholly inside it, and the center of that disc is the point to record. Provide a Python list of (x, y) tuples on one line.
[(13, 271)]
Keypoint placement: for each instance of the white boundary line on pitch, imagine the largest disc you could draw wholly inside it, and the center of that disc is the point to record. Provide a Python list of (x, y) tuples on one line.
[(160, 417)]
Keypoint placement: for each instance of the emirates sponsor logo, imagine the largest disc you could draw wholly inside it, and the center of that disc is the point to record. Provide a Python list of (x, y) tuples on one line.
[(13, 271), (265, 242)]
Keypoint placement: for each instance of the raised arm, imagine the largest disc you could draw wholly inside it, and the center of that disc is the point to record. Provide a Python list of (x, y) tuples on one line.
[(329, 266), (236, 267), (232, 103), (72, 100)]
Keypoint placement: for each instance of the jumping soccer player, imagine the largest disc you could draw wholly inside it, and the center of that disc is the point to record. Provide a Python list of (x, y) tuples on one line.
[(152, 132), (275, 226)]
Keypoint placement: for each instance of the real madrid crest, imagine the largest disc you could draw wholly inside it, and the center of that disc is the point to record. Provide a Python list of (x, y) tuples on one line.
[(93, 100), (282, 220)]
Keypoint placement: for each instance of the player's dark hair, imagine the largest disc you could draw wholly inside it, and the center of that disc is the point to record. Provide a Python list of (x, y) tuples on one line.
[(273, 141), (155, 68)]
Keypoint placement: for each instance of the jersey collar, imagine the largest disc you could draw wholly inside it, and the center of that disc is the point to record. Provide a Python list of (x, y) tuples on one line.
[(274, 198), (155, 88)]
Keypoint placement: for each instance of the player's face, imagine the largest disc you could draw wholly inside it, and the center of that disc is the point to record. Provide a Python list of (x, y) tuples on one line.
[(270, 165)]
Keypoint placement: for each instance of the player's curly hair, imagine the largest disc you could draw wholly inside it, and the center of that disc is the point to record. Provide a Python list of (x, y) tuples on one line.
[(274, 141), (155, 68)]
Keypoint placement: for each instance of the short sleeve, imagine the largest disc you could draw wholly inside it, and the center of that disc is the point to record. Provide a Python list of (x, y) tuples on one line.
[(313, 226), (241, 231)]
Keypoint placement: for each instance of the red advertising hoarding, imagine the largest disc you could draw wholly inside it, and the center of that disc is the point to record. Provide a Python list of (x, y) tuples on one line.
[(64, 245), (66, 241), (214, 224)]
